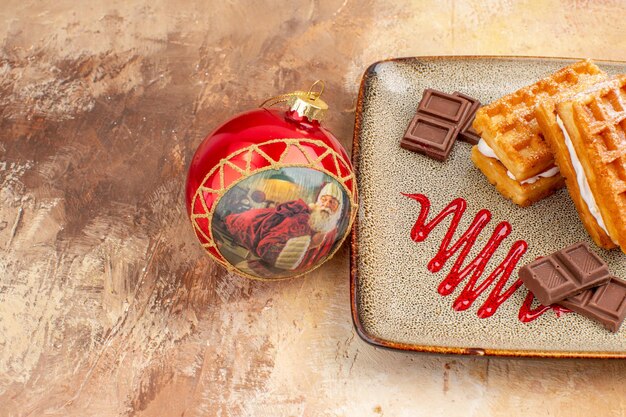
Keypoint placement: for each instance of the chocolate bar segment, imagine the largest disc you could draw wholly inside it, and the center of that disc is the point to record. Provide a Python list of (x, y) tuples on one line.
[(444, 106), (429, 136), (470, 136), (466, 131), (605, 304), (564, 273), (587, 266)]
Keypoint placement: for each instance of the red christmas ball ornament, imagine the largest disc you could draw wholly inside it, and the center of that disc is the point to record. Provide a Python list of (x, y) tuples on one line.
[(271, 194)]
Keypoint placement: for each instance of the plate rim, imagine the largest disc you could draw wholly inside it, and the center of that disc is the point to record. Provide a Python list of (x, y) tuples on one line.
[(354, 253)]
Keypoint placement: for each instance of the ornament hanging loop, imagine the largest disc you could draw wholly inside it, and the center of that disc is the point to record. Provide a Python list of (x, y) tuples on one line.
[(306, 103), (315, 94)]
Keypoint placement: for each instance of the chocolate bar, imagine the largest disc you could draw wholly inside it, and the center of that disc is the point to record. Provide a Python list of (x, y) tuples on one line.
[(564, 273), (605, 304), (430, 136), (466, 131), (438, 122)]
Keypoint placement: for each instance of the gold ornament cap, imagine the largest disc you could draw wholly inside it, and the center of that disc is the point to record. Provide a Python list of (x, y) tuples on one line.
[(306, 103)]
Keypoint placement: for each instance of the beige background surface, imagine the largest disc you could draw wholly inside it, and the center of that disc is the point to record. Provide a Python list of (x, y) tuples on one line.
[(108, 307)]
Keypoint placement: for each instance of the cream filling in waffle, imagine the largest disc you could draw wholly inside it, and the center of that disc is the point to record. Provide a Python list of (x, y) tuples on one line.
[(489, 153), (581, 179)]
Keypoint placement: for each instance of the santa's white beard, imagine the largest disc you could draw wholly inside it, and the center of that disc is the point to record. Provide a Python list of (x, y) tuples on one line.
[(322, 220)]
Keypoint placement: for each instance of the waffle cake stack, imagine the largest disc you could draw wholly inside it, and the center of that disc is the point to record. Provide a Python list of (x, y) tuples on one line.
[(512, 152), (587, 134)]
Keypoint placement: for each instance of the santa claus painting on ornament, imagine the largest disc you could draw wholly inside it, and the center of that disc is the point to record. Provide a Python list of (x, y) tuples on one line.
[(280, 222)]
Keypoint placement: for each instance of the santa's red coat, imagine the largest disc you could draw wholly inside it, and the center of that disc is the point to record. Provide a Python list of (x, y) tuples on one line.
[(264, 232)]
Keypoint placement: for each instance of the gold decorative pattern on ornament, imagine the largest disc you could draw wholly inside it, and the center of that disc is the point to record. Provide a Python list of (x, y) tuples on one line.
[(252, 150)]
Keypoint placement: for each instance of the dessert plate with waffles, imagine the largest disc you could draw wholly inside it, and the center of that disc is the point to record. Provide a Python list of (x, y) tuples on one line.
[(493, 206)]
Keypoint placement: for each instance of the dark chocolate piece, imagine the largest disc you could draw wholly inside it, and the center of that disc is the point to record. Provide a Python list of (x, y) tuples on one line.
[(605, 304), (444, 106), (466, 131), (470, 136), (438, 122), (430, 136), (564, 273)]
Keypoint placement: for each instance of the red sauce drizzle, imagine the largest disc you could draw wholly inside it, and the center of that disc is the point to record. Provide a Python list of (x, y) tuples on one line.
[(528, 314), (474, 270)]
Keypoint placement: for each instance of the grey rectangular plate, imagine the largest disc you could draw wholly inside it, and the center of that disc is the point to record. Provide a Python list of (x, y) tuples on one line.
[(394, 296)]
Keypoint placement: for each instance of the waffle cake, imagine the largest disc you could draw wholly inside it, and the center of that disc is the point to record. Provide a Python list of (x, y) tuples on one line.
[(590, 150), (522, 193), (510, 135)]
